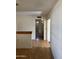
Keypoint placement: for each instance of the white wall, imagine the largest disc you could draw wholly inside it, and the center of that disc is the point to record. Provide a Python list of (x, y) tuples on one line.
[(23, 41), (48, 30), (45, 29), (56, 30), (26, 23)]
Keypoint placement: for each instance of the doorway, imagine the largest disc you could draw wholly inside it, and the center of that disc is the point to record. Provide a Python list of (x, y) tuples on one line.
[(39, 29)]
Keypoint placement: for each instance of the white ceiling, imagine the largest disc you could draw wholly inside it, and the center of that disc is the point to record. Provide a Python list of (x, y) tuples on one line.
[(35, 5)]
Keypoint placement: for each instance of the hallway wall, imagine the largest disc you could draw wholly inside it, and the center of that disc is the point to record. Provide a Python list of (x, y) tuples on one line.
[(26, 23), (56, 30), (48, 30)]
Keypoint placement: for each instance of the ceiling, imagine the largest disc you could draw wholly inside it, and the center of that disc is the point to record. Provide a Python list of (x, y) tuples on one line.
[(42, 6)]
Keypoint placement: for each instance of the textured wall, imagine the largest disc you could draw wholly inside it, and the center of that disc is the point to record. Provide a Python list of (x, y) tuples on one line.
[(56, 30)]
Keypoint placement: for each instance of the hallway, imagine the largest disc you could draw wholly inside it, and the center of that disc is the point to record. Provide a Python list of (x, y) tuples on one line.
[(40, 50), (50, 13)]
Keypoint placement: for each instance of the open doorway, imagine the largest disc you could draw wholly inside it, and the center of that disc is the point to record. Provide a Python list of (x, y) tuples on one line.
[(39, 29)]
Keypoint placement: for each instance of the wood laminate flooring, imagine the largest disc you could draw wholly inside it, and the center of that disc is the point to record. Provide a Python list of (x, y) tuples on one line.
[(40, 43), (41, 53), (40, 50)]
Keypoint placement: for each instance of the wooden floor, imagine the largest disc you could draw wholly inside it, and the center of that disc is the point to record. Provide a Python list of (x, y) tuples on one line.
[(40, 43), (40, 50), (41, 53)]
